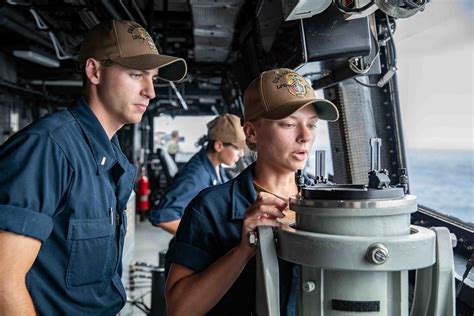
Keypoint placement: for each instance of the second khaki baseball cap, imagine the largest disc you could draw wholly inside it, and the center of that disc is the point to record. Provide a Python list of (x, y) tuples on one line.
[(128, 44), (276, 94), (227, 129)]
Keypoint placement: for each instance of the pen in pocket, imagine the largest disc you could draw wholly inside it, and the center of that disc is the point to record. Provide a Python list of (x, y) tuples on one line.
[(111, 214)]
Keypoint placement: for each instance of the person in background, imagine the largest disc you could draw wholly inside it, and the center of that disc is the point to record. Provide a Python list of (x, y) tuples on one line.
[(172, 146), (213, 265), (225, 145), (65, 182)]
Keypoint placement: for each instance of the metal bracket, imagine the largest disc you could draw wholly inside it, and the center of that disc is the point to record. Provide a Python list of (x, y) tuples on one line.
[(434, 286), (268, 280)]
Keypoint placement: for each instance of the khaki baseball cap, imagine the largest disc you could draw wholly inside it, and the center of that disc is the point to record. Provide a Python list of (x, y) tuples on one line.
[(227, 129), (128, 44), (276, 94)]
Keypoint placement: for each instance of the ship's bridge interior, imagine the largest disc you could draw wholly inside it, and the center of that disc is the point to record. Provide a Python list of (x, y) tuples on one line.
[(346, 49)]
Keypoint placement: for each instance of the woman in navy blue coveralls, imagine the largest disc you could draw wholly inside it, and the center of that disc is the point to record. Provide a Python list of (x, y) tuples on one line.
[(225, 145), (213, 265)]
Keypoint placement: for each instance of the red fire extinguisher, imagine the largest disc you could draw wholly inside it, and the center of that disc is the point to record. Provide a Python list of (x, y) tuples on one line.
[(143, 192)]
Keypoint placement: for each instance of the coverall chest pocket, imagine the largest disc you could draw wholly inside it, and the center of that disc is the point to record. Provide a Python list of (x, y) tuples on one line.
[(90, 263)]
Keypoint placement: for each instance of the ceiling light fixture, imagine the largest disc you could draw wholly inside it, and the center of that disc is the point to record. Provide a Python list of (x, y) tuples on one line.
[(37, 58)]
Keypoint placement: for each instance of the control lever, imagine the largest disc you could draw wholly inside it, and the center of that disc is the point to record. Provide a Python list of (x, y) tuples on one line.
[(378, 177), (299, 178), (403, 180), (320, 166), (375, 144)]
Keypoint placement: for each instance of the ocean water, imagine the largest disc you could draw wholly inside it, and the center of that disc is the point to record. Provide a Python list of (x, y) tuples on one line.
[(444, 181)]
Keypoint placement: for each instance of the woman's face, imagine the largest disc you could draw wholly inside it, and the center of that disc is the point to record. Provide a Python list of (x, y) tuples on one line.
[(284, 144), (229, 154)]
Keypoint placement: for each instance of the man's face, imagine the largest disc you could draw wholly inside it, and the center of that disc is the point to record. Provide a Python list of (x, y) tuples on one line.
[(125, 93), (284, 144)]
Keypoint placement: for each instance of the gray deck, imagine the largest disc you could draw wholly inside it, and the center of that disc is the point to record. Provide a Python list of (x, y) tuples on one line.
[(149, 241)]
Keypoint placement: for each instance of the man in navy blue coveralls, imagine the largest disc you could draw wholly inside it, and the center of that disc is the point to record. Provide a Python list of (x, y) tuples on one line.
[(213, 264), (65, 183), (197, 174)]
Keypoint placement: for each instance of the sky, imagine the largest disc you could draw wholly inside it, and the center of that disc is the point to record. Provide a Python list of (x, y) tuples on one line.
[(435, 51)]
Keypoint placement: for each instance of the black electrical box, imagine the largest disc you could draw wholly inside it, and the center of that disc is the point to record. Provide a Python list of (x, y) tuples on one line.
[(329, 36), (323, 44)]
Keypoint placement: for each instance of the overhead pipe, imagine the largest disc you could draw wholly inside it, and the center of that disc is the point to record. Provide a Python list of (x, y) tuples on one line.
[(20, 88), (130, 16), (88, 18), (62, 83), (180, 97), (134, 3), (16, 22), (111, 9), (23, 30), (60, 53)]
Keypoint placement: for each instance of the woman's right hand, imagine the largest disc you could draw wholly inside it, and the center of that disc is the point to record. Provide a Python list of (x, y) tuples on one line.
[(265, 211)]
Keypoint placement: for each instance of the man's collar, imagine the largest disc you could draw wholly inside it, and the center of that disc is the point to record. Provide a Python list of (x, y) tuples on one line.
[(101, 147)]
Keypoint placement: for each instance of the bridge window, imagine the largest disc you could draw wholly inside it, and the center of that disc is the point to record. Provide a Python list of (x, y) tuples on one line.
[(435, 85)]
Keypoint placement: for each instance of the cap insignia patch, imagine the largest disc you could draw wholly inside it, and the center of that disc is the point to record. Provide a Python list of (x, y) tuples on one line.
[(143, 35), (296, 86), (147, 39)]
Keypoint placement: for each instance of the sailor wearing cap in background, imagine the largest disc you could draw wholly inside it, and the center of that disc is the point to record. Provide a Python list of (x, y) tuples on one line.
[(224, 144), (64, 183), (213, 265)]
